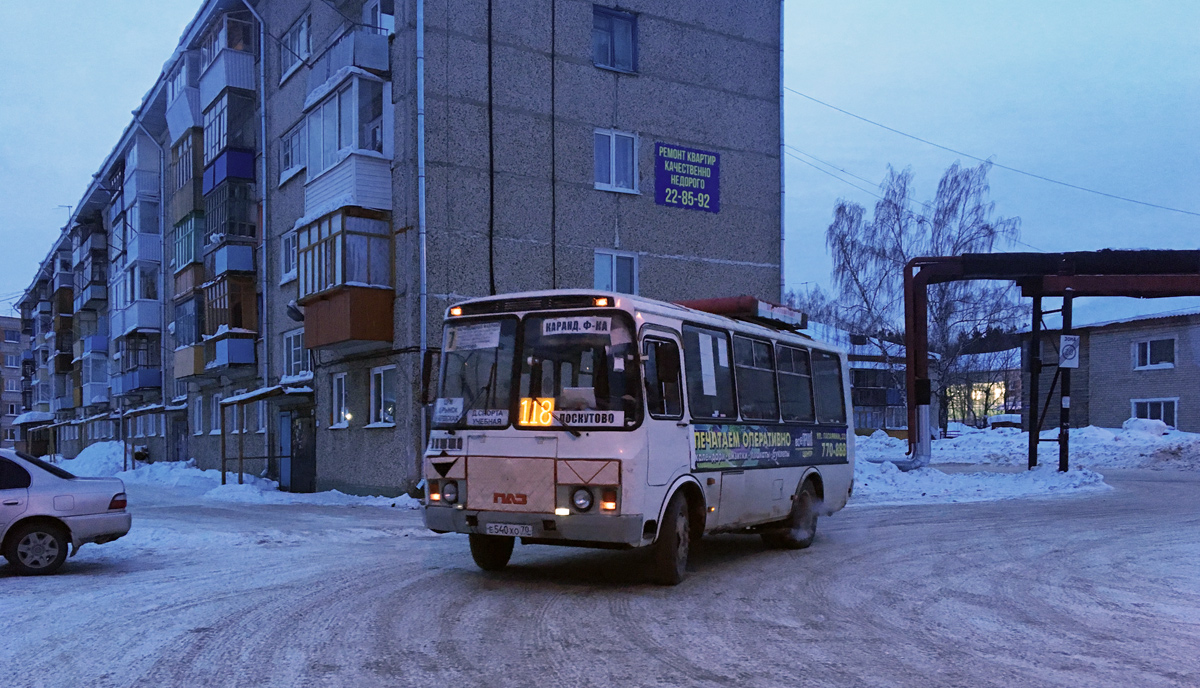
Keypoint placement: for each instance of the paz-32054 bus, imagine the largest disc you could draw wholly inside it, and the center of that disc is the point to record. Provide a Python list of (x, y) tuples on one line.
[(609, 420)]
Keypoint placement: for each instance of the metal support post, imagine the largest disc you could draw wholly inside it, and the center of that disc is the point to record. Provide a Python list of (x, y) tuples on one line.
[(1064, 418), (1035, 372)]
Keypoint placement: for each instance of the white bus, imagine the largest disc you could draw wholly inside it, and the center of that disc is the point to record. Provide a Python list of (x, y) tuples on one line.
[(608, 420)]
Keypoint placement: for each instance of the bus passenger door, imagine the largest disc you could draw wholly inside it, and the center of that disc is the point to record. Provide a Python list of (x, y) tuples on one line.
[(668, 437)]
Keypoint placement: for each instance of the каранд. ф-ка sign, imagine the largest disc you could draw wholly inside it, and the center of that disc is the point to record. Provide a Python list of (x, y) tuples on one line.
[(687, 178)]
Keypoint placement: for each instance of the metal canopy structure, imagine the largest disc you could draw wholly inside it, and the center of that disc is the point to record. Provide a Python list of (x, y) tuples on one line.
[(1138, 274)]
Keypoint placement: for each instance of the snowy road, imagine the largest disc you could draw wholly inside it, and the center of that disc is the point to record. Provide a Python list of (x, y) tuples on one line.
[(1092, 590)]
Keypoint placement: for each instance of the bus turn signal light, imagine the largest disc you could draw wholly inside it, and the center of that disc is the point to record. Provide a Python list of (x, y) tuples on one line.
[(457, 310), (608, 500), (602, 301)]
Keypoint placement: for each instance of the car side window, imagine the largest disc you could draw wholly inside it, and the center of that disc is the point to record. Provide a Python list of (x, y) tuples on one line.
[(12, 476)]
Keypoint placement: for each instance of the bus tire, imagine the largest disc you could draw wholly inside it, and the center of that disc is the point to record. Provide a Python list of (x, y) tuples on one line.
[(670, 555), (491, 552), (800, 528)]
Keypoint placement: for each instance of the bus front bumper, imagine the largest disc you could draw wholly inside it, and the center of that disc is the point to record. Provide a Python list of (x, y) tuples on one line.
[(576, 529)]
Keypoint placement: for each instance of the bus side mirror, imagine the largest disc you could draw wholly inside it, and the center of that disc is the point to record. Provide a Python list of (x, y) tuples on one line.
[(431, 362)]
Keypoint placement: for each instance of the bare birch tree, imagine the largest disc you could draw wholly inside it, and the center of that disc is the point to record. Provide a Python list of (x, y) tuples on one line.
[(869, 256)]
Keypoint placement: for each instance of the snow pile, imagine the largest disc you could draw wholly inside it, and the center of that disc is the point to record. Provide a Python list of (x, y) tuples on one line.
[(883, 484), (99, 460), (1140, 444), (104, 459)]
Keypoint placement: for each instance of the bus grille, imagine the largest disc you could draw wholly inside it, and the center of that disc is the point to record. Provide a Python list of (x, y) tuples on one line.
[(510, 484)]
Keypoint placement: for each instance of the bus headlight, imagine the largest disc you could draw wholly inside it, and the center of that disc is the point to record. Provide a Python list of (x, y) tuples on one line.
[(450, 492), (582, 499)]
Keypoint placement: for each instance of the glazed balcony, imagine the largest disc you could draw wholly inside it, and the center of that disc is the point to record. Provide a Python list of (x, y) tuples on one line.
[(89, 345), (189, 361), (364, 47), (189, 279), (230, 164), (141, 184), (139, 379), (229, 69), (143, 315), (349, 318), (144, 246)]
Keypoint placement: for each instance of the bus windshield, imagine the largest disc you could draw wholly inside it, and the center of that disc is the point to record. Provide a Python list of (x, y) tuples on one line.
[(578, 371), (477, 361)]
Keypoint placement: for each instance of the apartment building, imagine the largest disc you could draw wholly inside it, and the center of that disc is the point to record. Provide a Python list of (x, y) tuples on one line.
[(309, 185), (1145, 367), (13, 347)]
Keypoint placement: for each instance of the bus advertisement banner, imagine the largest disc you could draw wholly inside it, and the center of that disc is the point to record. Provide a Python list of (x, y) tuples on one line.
[(768, 446)]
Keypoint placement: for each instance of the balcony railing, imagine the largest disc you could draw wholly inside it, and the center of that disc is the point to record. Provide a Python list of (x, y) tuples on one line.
[(364, 47), (228, 351), (230, 69), (94, 393), (136, 379), (142, 315), (144, 246), (141, 184)]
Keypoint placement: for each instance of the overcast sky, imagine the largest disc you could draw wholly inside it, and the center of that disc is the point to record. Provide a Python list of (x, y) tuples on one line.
[(1102, 94)]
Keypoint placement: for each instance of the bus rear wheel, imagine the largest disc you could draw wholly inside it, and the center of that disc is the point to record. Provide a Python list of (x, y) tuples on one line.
[(669, 559), (491, 552), (799, 530)]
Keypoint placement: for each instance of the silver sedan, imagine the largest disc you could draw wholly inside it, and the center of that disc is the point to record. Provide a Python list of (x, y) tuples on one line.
[(44, 510)]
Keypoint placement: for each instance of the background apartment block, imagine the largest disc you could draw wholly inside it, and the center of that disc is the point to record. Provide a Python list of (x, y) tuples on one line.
[(13, 347), (262, 215), (1138, 368)]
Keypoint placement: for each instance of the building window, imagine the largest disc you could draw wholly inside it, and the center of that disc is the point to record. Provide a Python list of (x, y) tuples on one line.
[(226, 33), (352, 118), (183, 167), (12, 409), (616, 161), (216, 415), (291, 153), (230, 305), (151, 425), (236, 415), (188, 235), (189, 322), (295, 356), (230, 210), (376, 14), (1154, 353), (344, 249), (616, 271), (140, 425), (614, 39), (12, 336), (12, 361), (229, 123), (341, 415), (383, 395), (287, 258), (295, 45), (198, 415), (12, 385), (1156, 409), (260, 408)]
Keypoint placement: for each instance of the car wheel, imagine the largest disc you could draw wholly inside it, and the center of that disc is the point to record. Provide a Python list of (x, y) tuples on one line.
[(491, 552), (799, 530), (37, 549), (670, 556)]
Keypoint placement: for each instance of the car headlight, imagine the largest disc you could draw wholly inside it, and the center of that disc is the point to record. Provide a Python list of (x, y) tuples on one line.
[(582, 499), (450, 492)]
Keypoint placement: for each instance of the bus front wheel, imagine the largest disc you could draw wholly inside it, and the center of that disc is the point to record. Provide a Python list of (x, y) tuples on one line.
[(674, 540), (799, 530), (491, 552)]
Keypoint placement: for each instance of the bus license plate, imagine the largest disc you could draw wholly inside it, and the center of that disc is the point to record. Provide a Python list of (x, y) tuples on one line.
[(509, 529)]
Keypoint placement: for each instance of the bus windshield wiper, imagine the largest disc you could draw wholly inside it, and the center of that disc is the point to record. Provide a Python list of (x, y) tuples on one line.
[(568, 428), (460, 422)]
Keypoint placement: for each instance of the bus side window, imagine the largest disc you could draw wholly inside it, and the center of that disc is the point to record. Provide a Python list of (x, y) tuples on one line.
[(755, 369), (663, 396), (795, 385), (827, 383), (709, 373)]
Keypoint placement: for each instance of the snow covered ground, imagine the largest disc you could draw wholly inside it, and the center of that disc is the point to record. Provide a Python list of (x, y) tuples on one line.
[(105, 459), (1139, 444)]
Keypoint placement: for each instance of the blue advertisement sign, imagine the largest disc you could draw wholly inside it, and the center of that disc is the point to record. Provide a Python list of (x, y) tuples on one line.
[(687, 178), (768, 446)]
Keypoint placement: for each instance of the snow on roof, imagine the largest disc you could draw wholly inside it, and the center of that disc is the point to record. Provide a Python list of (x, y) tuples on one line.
[(33, 417)]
